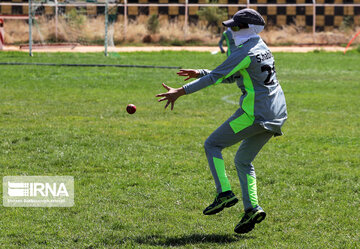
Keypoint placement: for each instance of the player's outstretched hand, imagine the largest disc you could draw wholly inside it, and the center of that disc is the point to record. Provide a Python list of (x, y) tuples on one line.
[(171, 95), (189, 73)]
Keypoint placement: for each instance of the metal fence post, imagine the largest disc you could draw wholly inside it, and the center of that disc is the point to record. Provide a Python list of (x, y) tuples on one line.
[(106, 26), (56, 20), (125, 19), (186, 18), (30, 28), (314, 19)]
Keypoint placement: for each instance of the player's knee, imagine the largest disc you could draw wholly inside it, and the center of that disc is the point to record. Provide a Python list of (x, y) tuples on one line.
[(241, 163), (208, 145), (211, 145)]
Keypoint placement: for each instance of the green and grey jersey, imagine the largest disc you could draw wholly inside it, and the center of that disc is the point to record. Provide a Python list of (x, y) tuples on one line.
[(252, 67), (230, 43)]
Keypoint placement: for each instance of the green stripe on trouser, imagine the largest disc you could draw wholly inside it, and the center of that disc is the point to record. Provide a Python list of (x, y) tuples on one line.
[(220, 171), (253, 139), (252, 191)]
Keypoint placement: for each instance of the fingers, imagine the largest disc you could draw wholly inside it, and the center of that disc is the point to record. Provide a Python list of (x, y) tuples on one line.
[(189, 73), (172, 104), (166, 96), (184, 72), (159, 100), (165, 86), (170, 95), (167, 104), (163, 94)]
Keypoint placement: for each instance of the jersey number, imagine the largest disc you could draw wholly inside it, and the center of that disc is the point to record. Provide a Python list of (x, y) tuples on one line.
[(271, 71)]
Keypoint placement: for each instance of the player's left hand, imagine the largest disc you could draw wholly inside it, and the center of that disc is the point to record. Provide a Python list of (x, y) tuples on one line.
[(171, 96), (189, 73)]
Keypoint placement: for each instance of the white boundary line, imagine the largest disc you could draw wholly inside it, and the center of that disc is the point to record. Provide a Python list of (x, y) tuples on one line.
[(229, 101)]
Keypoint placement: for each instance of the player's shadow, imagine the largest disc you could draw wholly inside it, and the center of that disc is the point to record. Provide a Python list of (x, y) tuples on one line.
[(158, 240)]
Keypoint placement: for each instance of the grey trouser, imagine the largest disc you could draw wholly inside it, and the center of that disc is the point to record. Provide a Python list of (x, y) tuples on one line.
[(253, 138)]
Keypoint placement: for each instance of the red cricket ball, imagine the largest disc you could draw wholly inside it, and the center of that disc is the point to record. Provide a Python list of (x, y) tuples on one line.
[(131, 109)]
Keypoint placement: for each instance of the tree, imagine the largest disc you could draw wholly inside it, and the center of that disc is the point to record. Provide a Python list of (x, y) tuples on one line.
[(213, 15)]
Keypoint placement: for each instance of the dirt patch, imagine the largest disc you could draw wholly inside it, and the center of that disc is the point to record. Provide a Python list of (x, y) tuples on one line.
[(86, 49)]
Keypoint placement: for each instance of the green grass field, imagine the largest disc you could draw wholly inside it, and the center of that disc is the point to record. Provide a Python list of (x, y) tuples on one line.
[(142, 180)]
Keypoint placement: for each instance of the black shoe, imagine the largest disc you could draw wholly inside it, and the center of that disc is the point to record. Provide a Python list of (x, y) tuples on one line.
[(222, 200), (249, 220)]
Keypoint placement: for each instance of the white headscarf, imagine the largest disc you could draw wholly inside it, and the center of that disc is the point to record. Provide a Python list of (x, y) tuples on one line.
[(243, 35)]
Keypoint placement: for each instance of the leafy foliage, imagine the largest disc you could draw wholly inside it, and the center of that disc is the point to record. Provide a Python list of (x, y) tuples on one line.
[(153, 24), (213, 15)]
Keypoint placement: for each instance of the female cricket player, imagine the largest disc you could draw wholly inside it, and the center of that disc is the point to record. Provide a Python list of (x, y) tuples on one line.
[(261, 114), (227, 36)]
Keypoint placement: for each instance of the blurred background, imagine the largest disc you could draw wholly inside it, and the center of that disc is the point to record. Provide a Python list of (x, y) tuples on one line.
[(174, 22)]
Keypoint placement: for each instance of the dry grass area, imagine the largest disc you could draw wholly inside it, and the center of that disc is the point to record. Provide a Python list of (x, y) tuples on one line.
[(88, 31), (296, 35)]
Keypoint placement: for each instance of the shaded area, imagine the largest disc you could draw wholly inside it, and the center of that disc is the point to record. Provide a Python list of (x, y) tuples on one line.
[(159, 240)]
